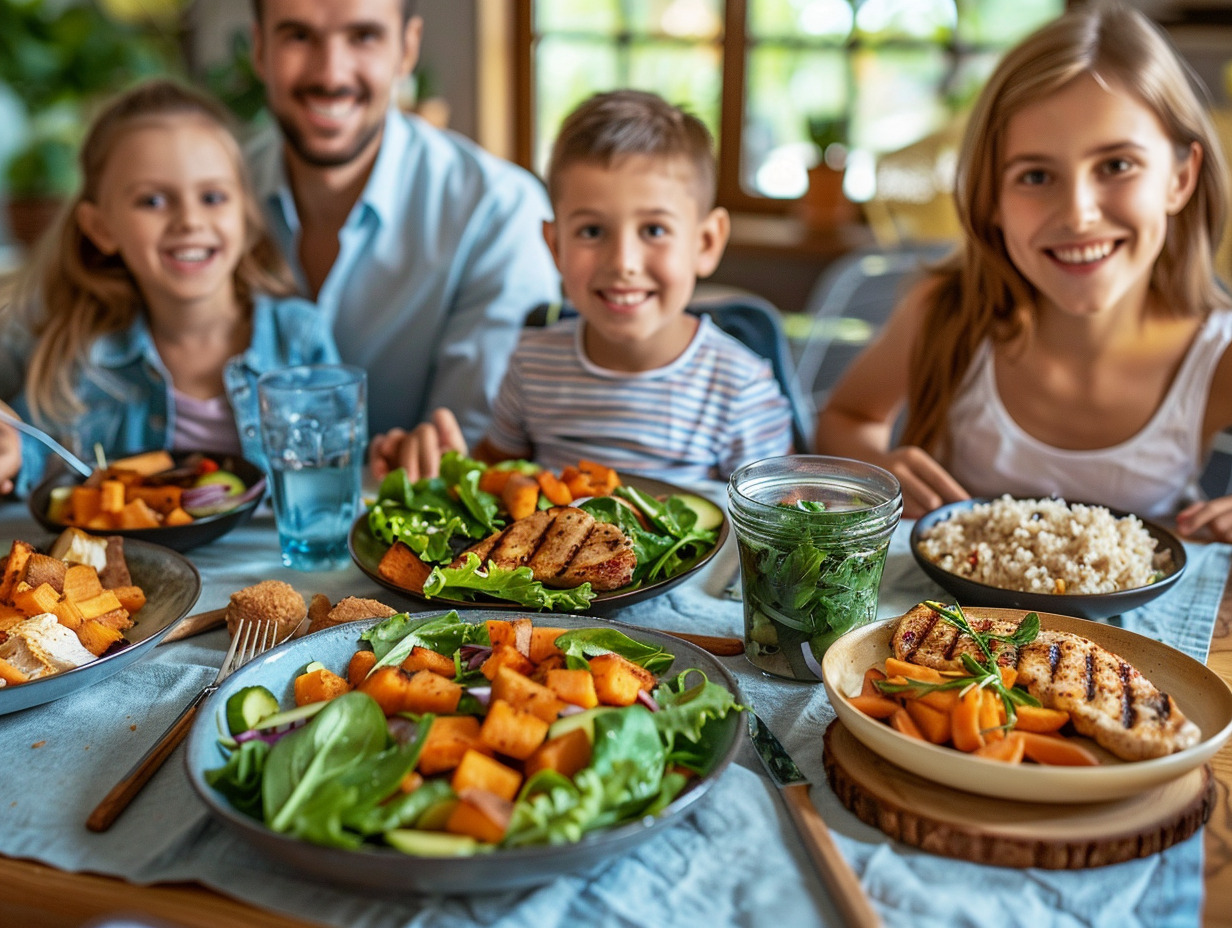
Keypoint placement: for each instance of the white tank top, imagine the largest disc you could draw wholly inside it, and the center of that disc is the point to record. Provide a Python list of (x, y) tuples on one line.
[(1154, 473)]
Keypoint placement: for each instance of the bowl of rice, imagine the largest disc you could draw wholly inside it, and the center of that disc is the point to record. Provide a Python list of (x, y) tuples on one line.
[(1048, 555)]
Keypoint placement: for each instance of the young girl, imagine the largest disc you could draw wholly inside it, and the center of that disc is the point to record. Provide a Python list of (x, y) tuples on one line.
[(146, 317), (1076, 343)]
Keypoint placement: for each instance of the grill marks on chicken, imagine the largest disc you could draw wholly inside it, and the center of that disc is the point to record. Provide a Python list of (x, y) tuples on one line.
[(564, 547), (1107, 698)]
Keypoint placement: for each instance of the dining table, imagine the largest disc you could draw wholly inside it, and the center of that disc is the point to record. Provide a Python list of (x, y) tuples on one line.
[(733, 859)]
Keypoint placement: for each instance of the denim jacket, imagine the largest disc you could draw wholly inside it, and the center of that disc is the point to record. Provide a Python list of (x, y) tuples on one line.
[(127, 395)]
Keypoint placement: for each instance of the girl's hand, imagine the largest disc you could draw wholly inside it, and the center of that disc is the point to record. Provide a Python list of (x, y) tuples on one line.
[(1209, 521), (10, 457), (420, 450), (926, 484)]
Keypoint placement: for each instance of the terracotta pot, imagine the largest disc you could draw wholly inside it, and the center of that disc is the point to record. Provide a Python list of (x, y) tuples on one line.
[(30, 217), (823, 205)]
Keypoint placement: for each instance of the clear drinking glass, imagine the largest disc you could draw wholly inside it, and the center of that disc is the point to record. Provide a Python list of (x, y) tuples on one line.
[(812, 533), (314, 428)]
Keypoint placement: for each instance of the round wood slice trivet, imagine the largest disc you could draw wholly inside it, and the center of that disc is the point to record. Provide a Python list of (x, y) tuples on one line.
[(987, 830)]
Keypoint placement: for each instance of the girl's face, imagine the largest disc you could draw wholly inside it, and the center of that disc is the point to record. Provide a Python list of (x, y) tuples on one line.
[(171, 205), (630, 242), (1088, 182)]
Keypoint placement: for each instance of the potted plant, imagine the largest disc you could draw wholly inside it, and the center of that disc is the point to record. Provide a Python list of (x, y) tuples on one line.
[(58, 59), (824, 205)]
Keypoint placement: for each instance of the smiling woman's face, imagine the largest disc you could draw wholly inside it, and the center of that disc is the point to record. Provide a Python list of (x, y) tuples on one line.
[(1087, 185)]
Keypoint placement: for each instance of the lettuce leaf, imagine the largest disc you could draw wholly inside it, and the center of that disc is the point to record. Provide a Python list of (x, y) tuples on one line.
[(517, 585), (686, 712)]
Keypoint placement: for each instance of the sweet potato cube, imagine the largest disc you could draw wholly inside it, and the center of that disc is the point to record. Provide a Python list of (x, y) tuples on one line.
[(137, 514), (14, 569), (319, 686), (146, 463), (543, 643), (10, 616), (427, 659), (388, 686), (493, 479), (546, 666), (132, 598), (159, 498), (520, 496), (96, 637), (68, 613), (81, 582), (618, 679), (555, 489), (600, 475), (576, 687), (430, 692), (36, 600), (477, 770), (113, 496), (116, 618), (403, 567), (85, 503), (361, 663), (517, 633), (43, 569), (94, 606), (177, 516), (506, 655), (481, 815), (449, 738), (566, 754), (512, 731), (524, 693)]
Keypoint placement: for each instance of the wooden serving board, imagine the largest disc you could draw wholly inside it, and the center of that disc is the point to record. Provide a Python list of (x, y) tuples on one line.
[(953, 823)]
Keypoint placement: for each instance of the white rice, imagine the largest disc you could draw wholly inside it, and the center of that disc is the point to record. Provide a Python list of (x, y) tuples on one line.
[(1045, 546)]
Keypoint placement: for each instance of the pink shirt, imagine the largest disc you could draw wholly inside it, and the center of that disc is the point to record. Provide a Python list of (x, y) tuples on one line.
[(205, 425)]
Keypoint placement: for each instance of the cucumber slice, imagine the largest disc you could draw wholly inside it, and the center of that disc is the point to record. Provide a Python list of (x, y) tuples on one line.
[(312, 667), (248, 707), (431, 843), (584, 720), (709, 515), (290, 716)]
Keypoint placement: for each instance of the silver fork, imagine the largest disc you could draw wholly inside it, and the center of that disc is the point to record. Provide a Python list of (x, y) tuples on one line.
[(251, 639)]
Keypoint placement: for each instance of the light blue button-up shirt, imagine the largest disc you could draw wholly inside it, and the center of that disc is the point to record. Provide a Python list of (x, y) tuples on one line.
[(439, 261)]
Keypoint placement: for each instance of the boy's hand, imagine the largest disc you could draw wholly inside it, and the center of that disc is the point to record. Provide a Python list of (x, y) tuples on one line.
[(1207, 521), (926, 484), (10, 457), (419, 450)]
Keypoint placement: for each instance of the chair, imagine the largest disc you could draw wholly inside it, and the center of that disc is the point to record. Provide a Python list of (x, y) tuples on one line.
[(847, 307), (751, 320)]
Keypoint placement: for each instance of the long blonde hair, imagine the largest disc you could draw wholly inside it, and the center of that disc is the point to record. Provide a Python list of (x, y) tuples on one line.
[(979, 293), (72, 293)]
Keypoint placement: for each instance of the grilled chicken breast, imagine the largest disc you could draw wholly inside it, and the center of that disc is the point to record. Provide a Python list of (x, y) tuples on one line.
[(1107, 698), (564, 547)]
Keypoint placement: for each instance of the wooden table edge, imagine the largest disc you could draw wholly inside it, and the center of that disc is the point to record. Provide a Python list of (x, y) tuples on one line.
[(1217, 837)]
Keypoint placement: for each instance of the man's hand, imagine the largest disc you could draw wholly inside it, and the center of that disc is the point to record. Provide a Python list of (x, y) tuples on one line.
[(419, 450)]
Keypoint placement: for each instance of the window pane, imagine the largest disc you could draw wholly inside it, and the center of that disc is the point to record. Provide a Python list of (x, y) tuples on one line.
[(787, 87), (897, 96), (1003, 22), (566, 73), (815, 19), (687, 76), (699, 19), (570, 16), (930, 20)]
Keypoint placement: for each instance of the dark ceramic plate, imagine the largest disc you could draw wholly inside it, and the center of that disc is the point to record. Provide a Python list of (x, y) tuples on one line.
[(387, 870), (367, 551), (177, 537), (171, 585), (1085, 606)]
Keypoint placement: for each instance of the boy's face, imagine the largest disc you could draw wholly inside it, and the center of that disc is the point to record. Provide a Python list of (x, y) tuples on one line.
[(630, 242), (329, 68)]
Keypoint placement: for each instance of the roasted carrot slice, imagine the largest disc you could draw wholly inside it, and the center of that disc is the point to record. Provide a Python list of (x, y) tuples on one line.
[(1053, 749), (992, 717), (900, 721), (933, 724), (1008, 676), (1040, 719), (871, 676), (1009, 749), (965, 721), (942, 700), (878, 707), (895, 667)]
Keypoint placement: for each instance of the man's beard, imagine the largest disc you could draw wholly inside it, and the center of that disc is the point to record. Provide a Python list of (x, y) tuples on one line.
[(295, 139)]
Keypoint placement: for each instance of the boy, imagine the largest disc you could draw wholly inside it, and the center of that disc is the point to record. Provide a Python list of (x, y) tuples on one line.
[(634, 381)]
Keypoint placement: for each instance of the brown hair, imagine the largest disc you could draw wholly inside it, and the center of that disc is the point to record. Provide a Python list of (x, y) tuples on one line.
[(408, 10), (73, 293), (609, 126), (980, 293)]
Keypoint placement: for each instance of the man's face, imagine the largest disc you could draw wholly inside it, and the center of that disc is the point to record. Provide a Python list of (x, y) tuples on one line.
[(330, 67)]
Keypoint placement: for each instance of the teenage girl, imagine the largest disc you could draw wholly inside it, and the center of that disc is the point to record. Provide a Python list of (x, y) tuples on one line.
[(147, 315), (1076, 343)]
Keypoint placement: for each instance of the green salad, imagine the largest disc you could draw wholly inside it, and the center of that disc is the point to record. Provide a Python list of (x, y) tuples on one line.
[(345, 772), (439, 517)]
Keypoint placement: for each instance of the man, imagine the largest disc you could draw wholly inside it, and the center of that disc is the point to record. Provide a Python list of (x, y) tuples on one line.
[(424, 251)]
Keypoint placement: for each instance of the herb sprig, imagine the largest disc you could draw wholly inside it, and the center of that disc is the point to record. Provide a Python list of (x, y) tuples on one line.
[(981, 674)]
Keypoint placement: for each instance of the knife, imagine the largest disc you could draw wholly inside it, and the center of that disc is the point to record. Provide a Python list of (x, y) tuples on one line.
[(853, 905)]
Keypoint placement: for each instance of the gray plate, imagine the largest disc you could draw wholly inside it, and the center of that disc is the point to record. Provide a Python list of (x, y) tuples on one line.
[(1084, 606), (367, 550), (376, 868), (171, 585)]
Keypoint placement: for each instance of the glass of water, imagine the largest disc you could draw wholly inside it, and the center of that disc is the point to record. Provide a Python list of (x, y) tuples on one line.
[(314, 428)]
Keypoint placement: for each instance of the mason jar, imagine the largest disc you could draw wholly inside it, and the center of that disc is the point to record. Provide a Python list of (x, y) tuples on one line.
[(812, 533)]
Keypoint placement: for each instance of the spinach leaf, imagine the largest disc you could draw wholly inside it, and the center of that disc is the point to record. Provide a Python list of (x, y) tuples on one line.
[(393, 639), (582, 643), (628, 757), (239, 779)]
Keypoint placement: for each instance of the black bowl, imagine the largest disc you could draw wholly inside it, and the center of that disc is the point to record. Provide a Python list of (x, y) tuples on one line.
[(1083, 605), (177, 537)]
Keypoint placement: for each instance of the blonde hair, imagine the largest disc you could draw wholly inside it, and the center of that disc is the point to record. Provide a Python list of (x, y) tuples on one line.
[(73, 293), (979, 293)]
